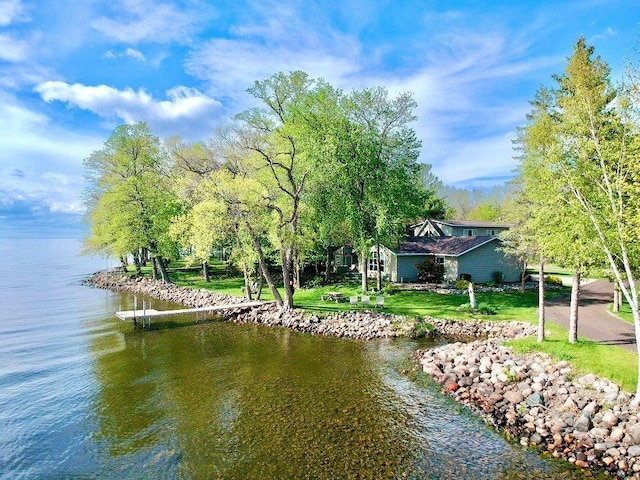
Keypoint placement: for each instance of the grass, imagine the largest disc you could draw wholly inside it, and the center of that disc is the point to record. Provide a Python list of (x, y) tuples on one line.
[(612, 362), (624, 313)]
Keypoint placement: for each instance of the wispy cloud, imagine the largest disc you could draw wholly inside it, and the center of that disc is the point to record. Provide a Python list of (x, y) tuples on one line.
[(133, 21), (129, 52), (11, 11)]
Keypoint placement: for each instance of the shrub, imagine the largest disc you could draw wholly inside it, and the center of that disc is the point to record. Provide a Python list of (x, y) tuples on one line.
[(553, 280), (483, 309), (462, 284), (497, 276), (430, 271), (389, 289), (314, 282)]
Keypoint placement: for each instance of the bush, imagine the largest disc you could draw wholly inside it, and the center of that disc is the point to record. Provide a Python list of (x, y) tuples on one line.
[(497, 276), (314, 282), (553, 280), (483, 309), (389, 289), (462, 284), (430, 271)]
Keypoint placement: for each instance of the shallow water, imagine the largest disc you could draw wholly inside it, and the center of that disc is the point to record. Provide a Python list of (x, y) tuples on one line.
[(84, 395)]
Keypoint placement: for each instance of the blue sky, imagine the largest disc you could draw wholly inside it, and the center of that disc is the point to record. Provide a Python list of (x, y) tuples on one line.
[(71, 71)]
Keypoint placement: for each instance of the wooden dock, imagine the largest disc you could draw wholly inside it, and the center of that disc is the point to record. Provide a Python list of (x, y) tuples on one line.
[(148, 313)]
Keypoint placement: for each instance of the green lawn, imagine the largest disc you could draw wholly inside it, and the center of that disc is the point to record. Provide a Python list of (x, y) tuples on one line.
[(624, 313), (608, 361)]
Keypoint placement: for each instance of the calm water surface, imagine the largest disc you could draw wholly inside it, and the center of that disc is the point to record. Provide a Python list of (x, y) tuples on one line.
[(84, 396)]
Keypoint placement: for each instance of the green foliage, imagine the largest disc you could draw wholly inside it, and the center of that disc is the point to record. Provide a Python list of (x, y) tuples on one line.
[(553, 280), (496, 277), (430, 270), (462, 284), (482, 309)]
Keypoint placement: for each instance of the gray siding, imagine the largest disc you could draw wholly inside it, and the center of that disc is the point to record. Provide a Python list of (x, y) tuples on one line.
[(406, 268), (482, 261)]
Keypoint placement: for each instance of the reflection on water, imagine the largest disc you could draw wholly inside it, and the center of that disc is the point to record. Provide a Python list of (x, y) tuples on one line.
[(83, 395), (219, 400)]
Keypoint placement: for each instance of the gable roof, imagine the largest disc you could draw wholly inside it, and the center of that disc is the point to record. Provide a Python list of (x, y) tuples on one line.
[(471, 223), (444, 246)]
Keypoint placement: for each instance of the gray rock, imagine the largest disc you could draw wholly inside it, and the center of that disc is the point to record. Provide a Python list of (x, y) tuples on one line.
[(583, 424), (534, 399)]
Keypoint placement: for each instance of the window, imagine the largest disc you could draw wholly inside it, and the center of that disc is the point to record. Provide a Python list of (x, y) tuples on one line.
[(373, 264), (440, 260), (469, 232), (492, 233)]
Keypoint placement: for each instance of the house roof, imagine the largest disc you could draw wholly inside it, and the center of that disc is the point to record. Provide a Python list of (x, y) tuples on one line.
[(471, 223), (445, 246)]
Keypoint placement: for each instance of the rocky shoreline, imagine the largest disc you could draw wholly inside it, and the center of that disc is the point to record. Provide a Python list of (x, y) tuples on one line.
[(537, 401), (587, 421), (360, 324)]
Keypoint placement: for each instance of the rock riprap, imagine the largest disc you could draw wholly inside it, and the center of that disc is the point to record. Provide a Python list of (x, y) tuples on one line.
[(585, 420)]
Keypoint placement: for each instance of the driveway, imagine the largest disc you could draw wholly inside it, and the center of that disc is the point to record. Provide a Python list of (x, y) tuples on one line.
[(595, 322)]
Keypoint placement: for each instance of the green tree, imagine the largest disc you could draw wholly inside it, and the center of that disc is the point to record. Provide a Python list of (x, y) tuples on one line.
[(596, 163), (281, 164), (370, 173), (128, 199)]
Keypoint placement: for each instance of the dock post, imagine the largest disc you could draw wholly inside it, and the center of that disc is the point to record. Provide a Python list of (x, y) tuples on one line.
[(135, 307), (144, 312)]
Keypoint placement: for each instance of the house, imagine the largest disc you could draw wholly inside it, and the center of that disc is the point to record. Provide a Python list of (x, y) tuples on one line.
[(466, 249)]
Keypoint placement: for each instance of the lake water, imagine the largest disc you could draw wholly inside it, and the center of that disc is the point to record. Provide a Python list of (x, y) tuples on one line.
[(83, 395)]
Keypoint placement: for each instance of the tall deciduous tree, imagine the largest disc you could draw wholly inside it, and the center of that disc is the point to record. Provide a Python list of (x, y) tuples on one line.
[(597, 163), (129, 201), (282, 166)]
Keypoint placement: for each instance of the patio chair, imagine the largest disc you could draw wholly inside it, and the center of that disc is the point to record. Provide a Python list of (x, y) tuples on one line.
[(379, 302), (353, 300), (365, 300)]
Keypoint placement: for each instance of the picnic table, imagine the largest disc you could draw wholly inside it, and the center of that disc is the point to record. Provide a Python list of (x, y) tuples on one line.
[(333, 296)]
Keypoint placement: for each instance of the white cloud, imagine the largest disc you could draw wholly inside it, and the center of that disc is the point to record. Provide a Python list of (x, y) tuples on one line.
[(41, 163), (186, 112), (149, 20), (11, 11), (12, 50), (134, 53), (129, 52)]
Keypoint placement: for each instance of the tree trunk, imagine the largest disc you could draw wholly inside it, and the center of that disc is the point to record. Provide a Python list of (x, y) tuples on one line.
[(541, 302), (163, 269), (136, 261), (616, 297), (573, 316), (154, 269), (205, 272), (259, 287), (472, 297), (263, 266), (523, 277), (247, 281), (286, 255), (327, 272), (144, 256), (364, 263), (378, 273), (123, 262), (296, 273)]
